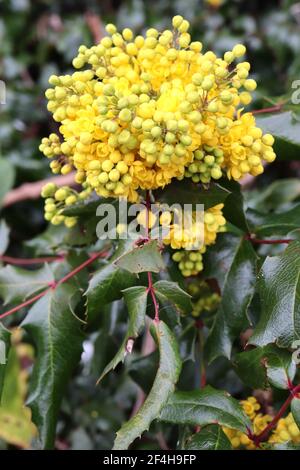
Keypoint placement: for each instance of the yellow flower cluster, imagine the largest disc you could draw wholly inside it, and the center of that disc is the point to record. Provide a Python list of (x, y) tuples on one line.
[(251, 408), (286, 429), (190, 261), (204, 299), (140, 111)]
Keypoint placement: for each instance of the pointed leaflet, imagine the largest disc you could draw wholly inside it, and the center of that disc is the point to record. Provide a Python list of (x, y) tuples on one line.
[(142, 258), (136, 301), (164, 384), (16, 284), (211, 437), (232, 261), (105, 286), (279, 289), (206, 406), (4, 350), (167, 291), (267, 365), (58, 339)]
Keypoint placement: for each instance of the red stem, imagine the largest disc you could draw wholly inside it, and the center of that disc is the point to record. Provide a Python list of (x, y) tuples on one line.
[(263, 436), (54, 284), (259, 241), (272, 109), (30, 261), (150, 279), (24, 304)]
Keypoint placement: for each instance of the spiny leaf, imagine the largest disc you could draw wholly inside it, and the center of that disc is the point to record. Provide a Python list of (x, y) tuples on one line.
[(16, 284), (206, 406), (279, 289), (144, 258), (105, 286), (233, 263), (164, 383), (210, 437), (58, 338), (4, 350), (267, 365), (167, 291), (136, 301)]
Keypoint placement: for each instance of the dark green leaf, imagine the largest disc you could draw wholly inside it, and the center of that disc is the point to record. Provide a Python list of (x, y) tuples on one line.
[(144, 258), (16, 284), (105, 286), (279, 289), (209, 438), (206, 406), (286, 130), (143, 370), (266, 365), (168, 291), (58, 339), (164, 383), (4, 350), (232, 261), (136, 301), (186, 192), (278, 193), (277, 223)]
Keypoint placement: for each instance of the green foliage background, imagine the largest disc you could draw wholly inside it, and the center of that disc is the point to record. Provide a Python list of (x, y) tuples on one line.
[(39, 38)]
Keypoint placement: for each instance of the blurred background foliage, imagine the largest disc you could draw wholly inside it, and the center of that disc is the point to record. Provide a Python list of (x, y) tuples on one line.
[(39, 38)]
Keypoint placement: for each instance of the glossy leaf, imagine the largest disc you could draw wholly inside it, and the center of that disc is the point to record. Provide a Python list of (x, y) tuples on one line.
[(144, 258), (279, 290), (232, 261), (136, 302), (186, 192), (276, 223), (164, 384), (58, 339), (105, 286), (16, 284), (267, 365), (167, 291), (210, 437), (206, 406)]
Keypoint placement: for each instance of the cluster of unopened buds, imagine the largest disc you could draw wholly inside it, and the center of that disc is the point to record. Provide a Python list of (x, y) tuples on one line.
[(285, 431), (140, 112)]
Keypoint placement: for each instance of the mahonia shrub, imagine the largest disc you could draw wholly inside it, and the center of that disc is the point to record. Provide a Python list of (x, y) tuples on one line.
[(157, 119)]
